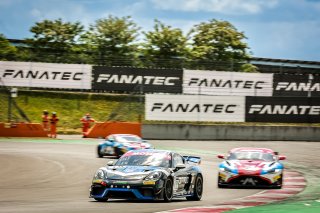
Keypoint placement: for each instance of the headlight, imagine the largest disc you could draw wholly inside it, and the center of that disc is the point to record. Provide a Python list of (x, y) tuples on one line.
[(227, 169), (273, 170), (99, 174), (154, 176)]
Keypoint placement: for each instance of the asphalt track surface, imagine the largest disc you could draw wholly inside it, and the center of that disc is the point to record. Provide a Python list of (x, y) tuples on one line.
[(55, 177)]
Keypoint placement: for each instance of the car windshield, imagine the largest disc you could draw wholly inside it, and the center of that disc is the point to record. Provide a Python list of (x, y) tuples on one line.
[(161, 159), (251, 156), (128, 139)]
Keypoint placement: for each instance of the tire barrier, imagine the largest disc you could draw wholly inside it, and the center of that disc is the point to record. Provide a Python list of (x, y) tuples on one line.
[(22, 130), (102, 130)]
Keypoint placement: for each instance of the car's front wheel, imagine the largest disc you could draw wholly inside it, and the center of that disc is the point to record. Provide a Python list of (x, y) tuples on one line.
[(220, 185), (198, 189), (100, 155), (168, 190)]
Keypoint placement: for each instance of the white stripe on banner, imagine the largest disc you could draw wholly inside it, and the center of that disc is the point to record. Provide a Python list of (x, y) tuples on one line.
[(227, 83), (46, 75), (194, 108)]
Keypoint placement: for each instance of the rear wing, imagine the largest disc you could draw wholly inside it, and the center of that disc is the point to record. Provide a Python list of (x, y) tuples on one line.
[(192, 159)]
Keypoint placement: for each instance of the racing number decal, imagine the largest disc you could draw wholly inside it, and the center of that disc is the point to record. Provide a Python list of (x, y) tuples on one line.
[(180, 182)]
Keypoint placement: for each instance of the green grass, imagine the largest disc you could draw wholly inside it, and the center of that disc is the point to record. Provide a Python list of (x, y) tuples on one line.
[(71, 106)]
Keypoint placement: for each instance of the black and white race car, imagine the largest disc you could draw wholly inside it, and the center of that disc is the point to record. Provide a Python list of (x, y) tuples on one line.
[(149, 174)]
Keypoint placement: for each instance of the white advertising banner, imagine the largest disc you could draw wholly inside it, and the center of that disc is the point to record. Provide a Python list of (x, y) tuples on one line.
[(194, 108), (46, 75), (227, 83)]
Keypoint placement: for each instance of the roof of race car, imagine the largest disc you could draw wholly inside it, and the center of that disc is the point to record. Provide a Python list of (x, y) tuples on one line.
[(147, 152), (244, 149), (151, 151), (122, 135)]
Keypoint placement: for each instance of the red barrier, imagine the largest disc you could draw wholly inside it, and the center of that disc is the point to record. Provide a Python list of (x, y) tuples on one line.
[(22, 130), (101, 130)]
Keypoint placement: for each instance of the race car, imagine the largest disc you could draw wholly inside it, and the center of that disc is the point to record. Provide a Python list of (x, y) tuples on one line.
[(251, 167), (118, 144), (149, 174)]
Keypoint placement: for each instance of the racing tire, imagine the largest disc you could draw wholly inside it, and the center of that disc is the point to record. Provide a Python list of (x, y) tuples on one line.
[(219, 184), (279, 186), (168, 190), (99, 153), (101, 199), (198, 189), (117, 152)]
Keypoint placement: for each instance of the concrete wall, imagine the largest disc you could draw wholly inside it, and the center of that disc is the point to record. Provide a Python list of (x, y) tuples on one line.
[(229, 132)]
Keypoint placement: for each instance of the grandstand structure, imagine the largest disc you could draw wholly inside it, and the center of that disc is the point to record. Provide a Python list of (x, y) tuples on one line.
[(268, 65)]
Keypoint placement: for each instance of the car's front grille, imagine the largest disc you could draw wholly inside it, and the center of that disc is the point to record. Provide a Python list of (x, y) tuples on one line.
[(121, 194), (250, 181), (146, 192)]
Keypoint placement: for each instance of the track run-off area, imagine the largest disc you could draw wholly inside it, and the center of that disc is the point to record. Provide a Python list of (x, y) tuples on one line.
[(54, 175)]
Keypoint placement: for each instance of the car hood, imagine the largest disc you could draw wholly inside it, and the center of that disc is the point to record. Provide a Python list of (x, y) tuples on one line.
[(130, 172), (250, 166), (137, 145)]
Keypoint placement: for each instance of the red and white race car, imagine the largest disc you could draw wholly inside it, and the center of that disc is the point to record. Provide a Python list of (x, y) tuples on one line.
[(251, 167)]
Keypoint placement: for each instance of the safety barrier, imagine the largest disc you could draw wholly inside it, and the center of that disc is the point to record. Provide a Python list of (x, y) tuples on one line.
[(22, 130), (230, 132), (101, 130)]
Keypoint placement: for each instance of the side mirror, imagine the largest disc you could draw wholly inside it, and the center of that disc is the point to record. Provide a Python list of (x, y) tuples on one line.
[(282, 157), (220, 156), (180, 166), (110, 163)]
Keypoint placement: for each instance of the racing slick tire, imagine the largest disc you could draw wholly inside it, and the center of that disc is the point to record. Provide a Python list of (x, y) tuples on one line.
[(99, 153), (219, 184), (168, 190), (279, 183), (198, 189), (117, 152), (101, 199)]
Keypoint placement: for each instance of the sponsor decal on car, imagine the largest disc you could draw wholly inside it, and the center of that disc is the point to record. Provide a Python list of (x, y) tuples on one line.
[(149, 182)]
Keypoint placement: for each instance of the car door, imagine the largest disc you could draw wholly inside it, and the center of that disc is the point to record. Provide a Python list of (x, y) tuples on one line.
[(181, 177)]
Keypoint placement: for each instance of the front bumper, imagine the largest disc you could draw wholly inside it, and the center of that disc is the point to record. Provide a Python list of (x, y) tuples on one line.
[(127, 189), (273, 180)]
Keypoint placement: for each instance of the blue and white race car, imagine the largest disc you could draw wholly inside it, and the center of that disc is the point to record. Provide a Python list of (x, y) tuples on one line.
[(118, 144), (149, 174)]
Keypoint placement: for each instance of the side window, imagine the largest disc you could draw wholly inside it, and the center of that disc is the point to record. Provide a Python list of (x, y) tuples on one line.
[(177, 159), (111, 138)]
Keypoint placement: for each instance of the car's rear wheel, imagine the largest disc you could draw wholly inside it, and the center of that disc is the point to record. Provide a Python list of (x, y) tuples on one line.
[(101, 199), (168, 190), (198, 189)]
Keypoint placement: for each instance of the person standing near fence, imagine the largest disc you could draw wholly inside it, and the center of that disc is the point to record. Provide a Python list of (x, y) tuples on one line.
[(45, 121), (86, 120), (53, 125)]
